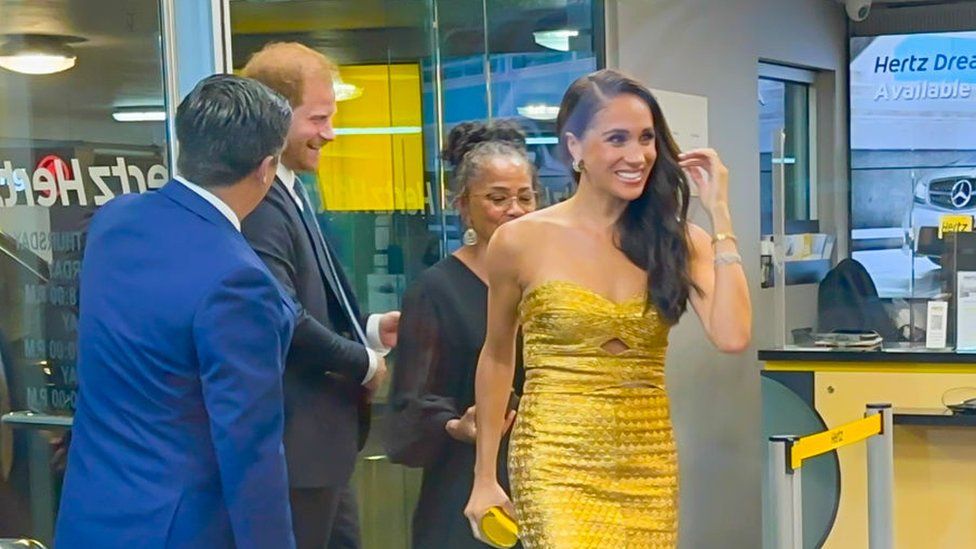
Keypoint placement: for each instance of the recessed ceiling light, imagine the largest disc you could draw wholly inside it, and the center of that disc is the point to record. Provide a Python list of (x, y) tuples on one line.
[(139, 114), (345, 91), (539, 111), (555, 39), (38, 53)]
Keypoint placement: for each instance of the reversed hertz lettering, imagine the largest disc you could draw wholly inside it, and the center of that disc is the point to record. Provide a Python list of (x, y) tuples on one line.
[(43, 188)]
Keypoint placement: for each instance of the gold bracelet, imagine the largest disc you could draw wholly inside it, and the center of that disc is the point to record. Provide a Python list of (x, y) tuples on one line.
[(724, 236)]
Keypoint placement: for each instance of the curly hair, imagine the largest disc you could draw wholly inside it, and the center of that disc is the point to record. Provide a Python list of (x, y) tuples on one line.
[(470, 145)]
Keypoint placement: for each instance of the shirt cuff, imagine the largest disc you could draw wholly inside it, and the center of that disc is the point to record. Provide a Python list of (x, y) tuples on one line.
[(374, 363), (373, 340)]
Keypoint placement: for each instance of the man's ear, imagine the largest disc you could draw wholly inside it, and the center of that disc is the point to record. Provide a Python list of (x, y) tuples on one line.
[(266, 170)]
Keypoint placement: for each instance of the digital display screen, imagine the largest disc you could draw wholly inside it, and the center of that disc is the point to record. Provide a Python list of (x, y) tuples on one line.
[(913, 153)]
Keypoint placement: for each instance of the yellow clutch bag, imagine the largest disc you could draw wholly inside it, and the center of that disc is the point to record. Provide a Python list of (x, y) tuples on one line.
[(499, 529)]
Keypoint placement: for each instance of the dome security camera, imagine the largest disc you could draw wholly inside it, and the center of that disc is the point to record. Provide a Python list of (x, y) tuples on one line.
[(858, 10)]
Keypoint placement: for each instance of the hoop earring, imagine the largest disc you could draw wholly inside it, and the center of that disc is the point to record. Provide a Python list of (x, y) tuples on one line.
[(578, 165), (470, 238)]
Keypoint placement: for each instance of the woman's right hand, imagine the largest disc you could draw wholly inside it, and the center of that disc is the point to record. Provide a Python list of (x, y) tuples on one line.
[(485, 495)]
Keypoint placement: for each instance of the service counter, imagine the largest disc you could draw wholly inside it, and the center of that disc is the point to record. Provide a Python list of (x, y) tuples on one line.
[(807, 390)]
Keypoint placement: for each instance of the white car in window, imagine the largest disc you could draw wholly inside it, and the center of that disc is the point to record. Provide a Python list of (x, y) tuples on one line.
[(951, 191)]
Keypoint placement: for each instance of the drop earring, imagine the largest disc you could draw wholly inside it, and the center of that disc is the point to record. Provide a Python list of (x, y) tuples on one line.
[(578, 165), (470, 237)]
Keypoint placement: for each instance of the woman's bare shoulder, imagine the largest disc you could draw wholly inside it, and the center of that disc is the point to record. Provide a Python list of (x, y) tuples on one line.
[(546, 219), (525, 233)]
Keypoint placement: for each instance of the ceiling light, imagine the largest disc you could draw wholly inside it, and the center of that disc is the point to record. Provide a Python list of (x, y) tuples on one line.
[(390, 130), (555, 39), (539, 111), (139, 114), (345, 91), (38, 53)]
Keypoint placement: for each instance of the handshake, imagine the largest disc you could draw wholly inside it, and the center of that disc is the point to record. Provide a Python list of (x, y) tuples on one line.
[(388, 327)]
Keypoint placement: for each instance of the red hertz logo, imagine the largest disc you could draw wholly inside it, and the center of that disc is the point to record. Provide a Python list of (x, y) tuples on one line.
[(54, 164)]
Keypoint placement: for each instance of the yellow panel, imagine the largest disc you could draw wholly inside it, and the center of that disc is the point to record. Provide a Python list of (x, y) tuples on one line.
[(879, 367), (934, 466), (377, 172)]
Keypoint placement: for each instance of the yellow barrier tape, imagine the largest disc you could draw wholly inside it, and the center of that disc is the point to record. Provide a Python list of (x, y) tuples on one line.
[(821, 443)]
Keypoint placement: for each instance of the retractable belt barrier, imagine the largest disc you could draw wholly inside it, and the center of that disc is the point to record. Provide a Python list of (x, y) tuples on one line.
[(788, 452)]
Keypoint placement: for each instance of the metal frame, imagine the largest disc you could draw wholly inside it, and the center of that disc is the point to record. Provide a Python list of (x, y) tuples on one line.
[(167, 28), (793, 75), (220, 19), (173, 77)]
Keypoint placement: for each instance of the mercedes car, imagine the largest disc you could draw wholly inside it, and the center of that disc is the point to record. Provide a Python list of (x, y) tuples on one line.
[(951, 191)]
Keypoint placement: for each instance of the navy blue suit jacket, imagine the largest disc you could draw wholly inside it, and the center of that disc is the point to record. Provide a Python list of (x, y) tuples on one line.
[(177, 440)]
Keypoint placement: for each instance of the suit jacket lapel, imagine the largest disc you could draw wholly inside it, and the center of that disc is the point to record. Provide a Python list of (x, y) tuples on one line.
[(314, 236)]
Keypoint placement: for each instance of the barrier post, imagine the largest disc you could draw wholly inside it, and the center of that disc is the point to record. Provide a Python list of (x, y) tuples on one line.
[(787, 502), (881, 480)]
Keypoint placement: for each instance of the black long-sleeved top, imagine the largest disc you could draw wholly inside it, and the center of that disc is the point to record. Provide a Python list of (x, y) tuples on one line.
[(442, 330)]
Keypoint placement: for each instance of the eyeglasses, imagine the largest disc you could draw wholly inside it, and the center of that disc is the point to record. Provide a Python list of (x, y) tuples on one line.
[(525, 199)]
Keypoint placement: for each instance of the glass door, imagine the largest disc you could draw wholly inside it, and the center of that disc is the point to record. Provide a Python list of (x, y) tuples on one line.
[(410, 70)]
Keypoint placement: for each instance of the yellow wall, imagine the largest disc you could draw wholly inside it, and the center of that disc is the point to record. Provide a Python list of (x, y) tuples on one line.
[(376, 172), (935, 467)]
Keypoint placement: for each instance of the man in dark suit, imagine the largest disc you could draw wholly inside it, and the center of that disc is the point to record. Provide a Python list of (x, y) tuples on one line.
[(336, 357), (177, 439)]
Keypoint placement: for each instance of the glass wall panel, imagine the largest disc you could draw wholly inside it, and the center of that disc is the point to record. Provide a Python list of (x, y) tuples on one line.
[(78, 126), (411, 70)]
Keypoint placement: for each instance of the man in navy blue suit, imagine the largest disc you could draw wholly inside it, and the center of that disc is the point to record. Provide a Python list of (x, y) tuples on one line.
[(177, 439)]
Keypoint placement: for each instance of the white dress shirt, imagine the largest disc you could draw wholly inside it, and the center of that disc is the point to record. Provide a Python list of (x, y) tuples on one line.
[(215, 201), (374, 344)]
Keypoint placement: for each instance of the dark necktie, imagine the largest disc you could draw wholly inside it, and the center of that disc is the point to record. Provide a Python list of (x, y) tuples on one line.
[(312, 223)]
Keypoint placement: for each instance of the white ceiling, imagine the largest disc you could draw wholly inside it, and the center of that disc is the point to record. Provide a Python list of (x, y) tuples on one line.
[(118, 63)]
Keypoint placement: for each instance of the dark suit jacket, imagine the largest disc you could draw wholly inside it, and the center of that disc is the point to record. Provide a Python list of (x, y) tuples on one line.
[(181, 341), (326, 411)]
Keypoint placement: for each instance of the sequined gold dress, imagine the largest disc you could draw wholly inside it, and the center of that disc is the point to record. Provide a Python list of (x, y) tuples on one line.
[(592, 457)]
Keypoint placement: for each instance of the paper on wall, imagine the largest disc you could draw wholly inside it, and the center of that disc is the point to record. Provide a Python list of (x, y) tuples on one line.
[(966, 310), (687, 116)]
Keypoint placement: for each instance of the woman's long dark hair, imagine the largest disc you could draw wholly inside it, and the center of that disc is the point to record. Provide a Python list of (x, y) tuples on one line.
[(652, 231)]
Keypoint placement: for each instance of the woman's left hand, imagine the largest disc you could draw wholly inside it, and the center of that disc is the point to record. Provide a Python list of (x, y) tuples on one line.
[(710, 176)]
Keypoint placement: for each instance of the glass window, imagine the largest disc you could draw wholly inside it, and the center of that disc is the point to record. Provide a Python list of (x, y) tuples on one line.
[(81, 124), (788, 187), (784, 139)]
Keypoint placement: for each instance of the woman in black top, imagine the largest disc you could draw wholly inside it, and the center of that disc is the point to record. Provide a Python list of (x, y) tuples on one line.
[(442, 330)]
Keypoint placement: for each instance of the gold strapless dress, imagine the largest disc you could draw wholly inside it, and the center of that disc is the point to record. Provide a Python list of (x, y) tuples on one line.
[(592, 457)]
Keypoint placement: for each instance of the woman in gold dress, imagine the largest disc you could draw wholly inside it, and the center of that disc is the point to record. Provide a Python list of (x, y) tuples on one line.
[(597, 282)]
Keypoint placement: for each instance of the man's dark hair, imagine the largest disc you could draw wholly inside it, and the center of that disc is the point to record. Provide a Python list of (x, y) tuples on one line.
[(226, 126)]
